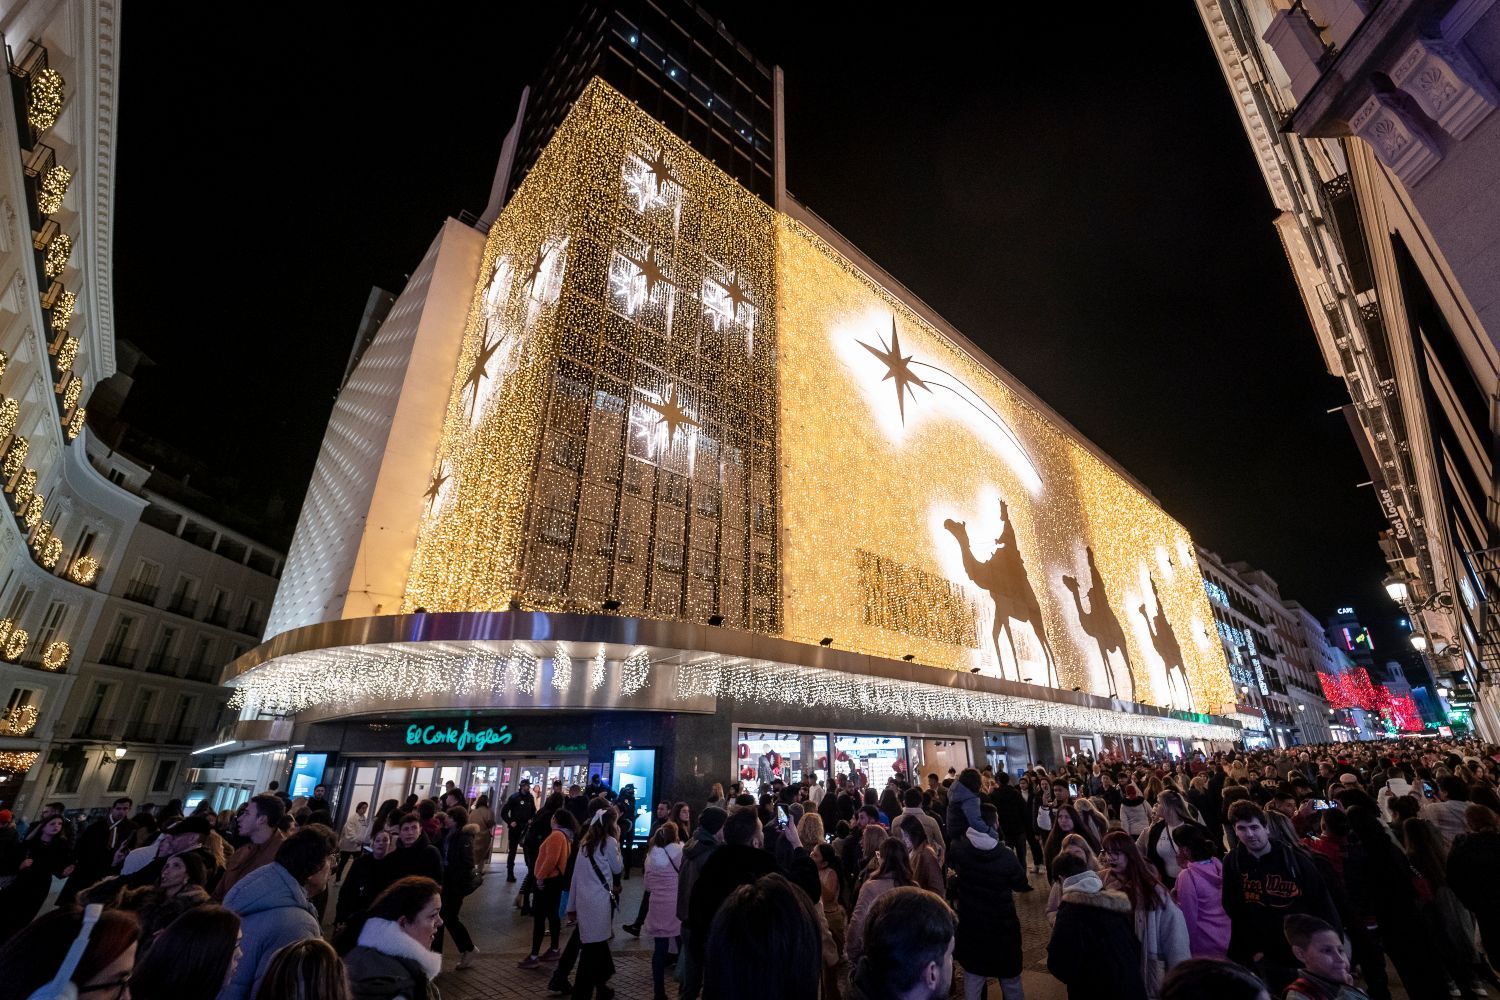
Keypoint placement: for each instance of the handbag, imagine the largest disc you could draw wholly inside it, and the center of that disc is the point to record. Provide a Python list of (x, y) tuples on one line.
[(614, 902)]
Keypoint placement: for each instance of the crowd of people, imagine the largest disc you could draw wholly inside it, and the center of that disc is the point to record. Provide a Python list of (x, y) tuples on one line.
[(1309, 873)]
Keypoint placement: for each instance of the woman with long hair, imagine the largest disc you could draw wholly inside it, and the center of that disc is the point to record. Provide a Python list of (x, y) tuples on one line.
[(551, 881), (1156, 844), (869, 848), (46, 854), (367, 878), (682, 815), (306, 970), (1066, 821), (191, 959), (1449, 923), (831, 885), (1159, 924), (593, 898), (662, 869), (383, 815), (394, 957), (892, 870), (1199, 891), (926, 871)]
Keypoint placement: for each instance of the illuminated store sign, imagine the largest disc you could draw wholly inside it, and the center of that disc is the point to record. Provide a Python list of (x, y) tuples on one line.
[(439, 735)]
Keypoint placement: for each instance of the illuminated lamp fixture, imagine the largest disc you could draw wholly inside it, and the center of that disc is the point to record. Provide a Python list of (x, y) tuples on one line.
[(1244, 689), (909, 657), (1077, 688), (611, 605), (827, 640), (1445, 693), (973, 670), (1395, 586), (419, 610), (120, 752), (1025, 680), (1419, 642), (716, 620), (1301, 708)]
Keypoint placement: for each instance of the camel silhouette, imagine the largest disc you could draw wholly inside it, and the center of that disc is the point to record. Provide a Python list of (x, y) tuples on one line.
[(1101, 625), (1180, 692), (1003, 577)]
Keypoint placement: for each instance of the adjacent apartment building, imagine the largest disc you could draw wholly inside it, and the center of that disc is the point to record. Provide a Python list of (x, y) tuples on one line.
[(1373, 127)]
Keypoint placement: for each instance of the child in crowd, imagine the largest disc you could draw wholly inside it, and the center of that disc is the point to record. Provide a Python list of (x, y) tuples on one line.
[(1322, 967)]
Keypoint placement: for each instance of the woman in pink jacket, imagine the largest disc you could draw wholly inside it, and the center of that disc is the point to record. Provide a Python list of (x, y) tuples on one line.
[(1199, 892), (663, 865)]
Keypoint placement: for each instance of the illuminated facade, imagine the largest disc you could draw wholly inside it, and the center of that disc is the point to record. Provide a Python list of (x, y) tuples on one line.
[(701, 457)]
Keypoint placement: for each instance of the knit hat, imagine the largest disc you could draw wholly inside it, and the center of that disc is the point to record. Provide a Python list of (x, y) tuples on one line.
[(712, 819)]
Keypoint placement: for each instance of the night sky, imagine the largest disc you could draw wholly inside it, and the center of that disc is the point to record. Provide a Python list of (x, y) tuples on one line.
[(1075, 194)]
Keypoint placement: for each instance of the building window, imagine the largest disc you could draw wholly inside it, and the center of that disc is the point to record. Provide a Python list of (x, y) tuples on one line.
[(52, 621), (119, 780), (68, 776), (165, 771)]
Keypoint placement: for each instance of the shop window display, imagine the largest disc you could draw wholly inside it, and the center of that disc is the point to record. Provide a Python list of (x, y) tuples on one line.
[(876, 759), (766, 755)]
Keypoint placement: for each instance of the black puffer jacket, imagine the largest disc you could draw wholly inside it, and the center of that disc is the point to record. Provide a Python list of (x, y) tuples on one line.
[(989, 932)]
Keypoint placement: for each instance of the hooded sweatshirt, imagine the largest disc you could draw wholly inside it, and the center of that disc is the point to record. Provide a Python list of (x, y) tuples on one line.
[(1200, 893), (274, 912), (1135, 819)]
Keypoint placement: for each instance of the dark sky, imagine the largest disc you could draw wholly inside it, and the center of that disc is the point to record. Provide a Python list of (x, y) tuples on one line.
[(1074, 193)]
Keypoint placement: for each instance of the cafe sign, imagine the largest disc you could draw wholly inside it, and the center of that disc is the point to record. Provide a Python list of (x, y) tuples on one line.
[(452, 738)]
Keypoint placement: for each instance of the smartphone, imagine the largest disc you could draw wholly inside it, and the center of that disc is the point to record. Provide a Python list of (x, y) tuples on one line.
[(1073, 791), (781, 818), (1321, 804), (1428, 790)]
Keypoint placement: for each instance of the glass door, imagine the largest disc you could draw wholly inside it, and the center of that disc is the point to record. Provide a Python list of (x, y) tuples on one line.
[(363, 789)]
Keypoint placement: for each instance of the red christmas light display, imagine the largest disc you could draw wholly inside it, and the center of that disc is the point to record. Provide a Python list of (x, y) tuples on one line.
[(1356, 690)]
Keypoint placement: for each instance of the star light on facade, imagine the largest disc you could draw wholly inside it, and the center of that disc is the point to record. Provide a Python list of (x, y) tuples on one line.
[(435, 487), (480, 370), (660, 170), (651, 270), (671, 414), (735, 292), (897, 368)]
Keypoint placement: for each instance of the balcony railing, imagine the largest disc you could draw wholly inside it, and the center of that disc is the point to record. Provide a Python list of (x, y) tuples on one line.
[(96, 729), (181, 605), (142, 732), (145, 593), (162, 663), (119, 656), (183, 736)]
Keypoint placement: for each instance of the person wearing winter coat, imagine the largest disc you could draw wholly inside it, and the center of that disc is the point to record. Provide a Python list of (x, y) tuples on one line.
[(179, 890), (484, 842), (695, 855), (593, 898), (1159, 924), (963, 805), (1474, 873), (355, 835), (988, 942), (1071, 844), (47, 854), (458, 880), (1094, 950), (1135, 818), (663, 869), (394, 959), (1199, 892), (414, 854), (273, 904)]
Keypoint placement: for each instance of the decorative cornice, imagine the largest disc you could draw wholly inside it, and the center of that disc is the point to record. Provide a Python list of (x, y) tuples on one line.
[(98, 53)]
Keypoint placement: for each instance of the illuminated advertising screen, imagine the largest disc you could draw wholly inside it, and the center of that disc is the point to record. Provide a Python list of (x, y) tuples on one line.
[(637, 767), (307, 774)]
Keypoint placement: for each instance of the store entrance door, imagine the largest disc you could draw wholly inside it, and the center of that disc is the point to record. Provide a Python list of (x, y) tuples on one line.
[(507, 774)]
